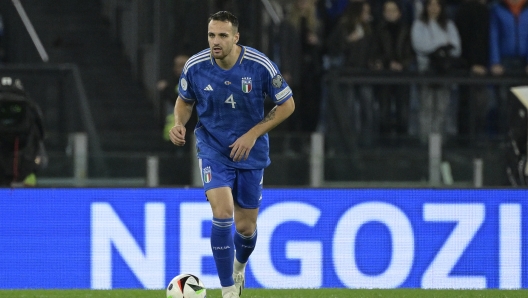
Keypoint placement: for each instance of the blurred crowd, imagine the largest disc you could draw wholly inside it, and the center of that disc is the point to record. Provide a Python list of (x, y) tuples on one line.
[(476, 37), (2, 42), (436, 36)]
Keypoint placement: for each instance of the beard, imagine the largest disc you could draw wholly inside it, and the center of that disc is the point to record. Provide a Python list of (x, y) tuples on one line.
[(220, 54)]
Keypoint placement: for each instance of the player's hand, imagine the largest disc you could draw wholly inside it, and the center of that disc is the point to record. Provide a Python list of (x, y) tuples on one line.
[(242, 146), (177, 135), (497, 69), (396, 66), (479, 69)]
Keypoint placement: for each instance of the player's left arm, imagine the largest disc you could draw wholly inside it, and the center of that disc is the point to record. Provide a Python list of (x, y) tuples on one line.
[(242, 146)]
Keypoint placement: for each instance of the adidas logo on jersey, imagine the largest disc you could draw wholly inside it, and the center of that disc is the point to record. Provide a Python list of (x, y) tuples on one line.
[(208, 88)]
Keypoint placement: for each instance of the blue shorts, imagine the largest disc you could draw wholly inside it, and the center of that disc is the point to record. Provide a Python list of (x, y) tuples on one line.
[(246, 185)]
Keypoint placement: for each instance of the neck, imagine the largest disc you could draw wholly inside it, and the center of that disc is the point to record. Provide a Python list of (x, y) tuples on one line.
[(230, 59)]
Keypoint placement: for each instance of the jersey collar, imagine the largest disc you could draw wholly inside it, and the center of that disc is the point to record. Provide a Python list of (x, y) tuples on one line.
[(239, 61)]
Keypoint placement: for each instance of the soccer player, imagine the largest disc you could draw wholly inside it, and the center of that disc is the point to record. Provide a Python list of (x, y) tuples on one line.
[(228, 83)]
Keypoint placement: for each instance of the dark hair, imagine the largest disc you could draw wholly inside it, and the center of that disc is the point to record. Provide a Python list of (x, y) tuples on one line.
[(442, 17), (352, 16), (224, 16)]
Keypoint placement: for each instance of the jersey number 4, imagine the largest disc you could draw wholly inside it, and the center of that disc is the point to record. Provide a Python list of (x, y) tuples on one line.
[(231, 100)]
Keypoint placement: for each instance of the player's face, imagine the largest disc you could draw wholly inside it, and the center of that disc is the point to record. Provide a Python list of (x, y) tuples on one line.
[(221, 38)]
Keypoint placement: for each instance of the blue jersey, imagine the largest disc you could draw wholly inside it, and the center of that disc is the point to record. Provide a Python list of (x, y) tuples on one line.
[(230, 102)]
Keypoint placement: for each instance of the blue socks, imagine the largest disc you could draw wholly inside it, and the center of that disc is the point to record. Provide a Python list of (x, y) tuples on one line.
[(223, 249), (244, 246)]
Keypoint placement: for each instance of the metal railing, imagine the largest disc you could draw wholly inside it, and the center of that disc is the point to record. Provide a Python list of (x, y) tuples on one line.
[(343, 130), (336, 79), (297, 159)]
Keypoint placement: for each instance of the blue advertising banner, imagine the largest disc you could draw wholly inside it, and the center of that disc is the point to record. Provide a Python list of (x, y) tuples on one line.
[(307, 238)]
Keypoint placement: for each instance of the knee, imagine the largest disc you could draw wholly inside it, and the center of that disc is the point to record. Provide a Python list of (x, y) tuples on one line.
[(246, 227), (222, 212)]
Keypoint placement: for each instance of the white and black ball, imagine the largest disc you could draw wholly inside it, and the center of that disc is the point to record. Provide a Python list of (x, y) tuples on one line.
[(186, 286)]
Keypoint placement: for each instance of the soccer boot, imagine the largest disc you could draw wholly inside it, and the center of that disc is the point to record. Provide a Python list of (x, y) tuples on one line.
[(240, 281), (230, 295), (230, 292)]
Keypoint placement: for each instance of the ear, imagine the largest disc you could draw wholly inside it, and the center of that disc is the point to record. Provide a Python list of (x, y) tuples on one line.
[(237, 37)]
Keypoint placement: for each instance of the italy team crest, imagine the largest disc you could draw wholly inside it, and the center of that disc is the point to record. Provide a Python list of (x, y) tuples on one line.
[(246, 85), (207, 175)]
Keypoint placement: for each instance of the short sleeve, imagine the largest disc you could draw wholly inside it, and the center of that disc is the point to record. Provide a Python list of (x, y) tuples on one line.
[(278, 89), (185, 88)]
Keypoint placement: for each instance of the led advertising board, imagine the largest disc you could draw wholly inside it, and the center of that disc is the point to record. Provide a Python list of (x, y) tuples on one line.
[(307, 238)]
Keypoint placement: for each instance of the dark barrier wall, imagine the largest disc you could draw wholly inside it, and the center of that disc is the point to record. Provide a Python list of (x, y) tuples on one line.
[(308, 238)]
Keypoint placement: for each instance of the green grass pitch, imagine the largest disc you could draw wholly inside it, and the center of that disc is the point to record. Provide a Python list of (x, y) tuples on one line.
[(266, 293)]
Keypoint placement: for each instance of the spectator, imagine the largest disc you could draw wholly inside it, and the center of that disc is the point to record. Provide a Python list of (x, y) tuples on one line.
[(472, 21), (431, 31), (168, 89), (352, 37), (2, 41), (352, 42), (301, 61), (509, 37), (393, 52), (411, 10), (451, 7), (508, 55), (330, 12), (406, 7)]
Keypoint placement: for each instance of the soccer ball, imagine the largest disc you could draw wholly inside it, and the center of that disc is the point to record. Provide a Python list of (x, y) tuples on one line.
[(186, 286)]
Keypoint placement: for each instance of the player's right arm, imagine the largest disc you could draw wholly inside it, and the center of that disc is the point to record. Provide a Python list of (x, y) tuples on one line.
[(182, 114)]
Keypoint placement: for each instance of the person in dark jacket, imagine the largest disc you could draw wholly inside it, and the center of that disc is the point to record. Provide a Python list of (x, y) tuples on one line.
[(301, 62), (393, 52), (472, 21), (352, 37), (352, 43)]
